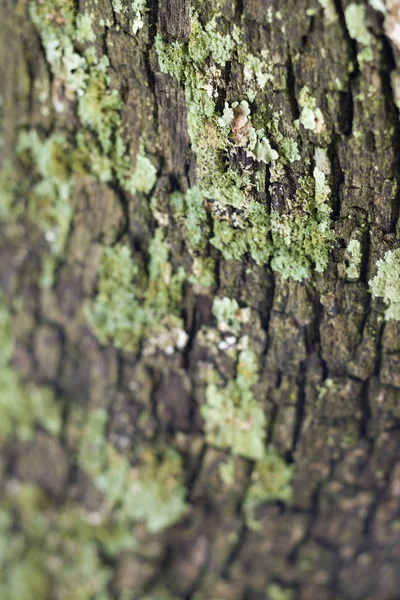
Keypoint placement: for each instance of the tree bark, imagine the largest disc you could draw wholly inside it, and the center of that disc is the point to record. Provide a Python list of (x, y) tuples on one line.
[(194, 406)]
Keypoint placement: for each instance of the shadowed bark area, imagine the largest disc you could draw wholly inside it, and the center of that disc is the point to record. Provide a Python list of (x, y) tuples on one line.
[(134, 382)]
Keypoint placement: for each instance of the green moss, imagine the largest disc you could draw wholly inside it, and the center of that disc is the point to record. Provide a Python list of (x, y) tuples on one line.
[(152, 492), (386, 283), (234, 419), (270, 481), (22, 407)]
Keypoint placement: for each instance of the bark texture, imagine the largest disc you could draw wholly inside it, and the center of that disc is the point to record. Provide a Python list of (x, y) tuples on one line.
[(91, 407)]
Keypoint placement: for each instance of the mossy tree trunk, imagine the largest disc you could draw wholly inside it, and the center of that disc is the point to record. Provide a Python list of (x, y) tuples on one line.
[(200, 353)]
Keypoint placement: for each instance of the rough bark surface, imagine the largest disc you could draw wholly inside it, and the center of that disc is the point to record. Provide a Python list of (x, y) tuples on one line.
[(328, 362)]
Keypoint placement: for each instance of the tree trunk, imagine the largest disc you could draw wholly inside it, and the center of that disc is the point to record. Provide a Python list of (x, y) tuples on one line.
[(200, 306)]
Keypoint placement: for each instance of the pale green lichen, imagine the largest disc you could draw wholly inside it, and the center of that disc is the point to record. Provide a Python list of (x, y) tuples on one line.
[(135, 11), (236, 120), (311, 116), (56, 23), (50, 551), (270, 482), (138, 10), (355, 20), (143, 177), (84, 28), (152, 492), (240, 225), (229, 315), (355, 252), (189, 209), (329, 10), (48, 201), (277, 592), (227, 471), (244, 232), (234, 419), (120, 314), (99, 147), (99, 106), (116, 316), (257, 73), (386, 283), (355, 16), (302, 237), (187, 62), (378, 5), (8, 192), (22, 407)]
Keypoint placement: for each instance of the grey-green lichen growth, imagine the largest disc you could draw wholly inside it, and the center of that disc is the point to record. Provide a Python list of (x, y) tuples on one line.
[(355, 251), (152, 492), (52, 551), (143, 177), (270, 481), (229, 315), (311, 116), (122, 313), (135, 12), (386, 283), (355, 16), (277, 592), (355, 21), (297, 241), (302, 238), (49, 199), (99, 148), (22, 407), (234, 418)]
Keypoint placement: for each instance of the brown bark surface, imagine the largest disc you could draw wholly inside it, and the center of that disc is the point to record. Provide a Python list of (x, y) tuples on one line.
[(339, 538)]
